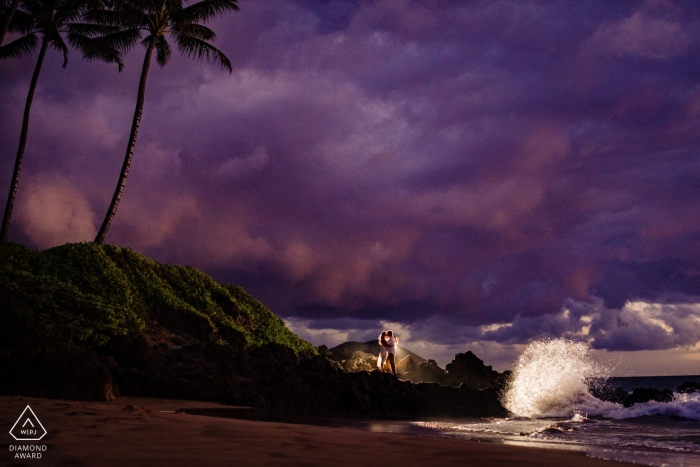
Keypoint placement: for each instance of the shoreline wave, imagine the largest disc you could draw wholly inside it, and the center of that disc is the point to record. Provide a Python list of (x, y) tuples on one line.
[(552, 379)]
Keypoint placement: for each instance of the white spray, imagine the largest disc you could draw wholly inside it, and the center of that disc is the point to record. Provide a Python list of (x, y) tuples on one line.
[(549, 378)]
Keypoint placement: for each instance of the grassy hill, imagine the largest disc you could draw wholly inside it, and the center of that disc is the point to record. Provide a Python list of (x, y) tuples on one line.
[(77, 296)]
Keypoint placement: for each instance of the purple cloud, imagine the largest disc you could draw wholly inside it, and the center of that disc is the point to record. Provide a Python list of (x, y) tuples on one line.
[(443, 165)]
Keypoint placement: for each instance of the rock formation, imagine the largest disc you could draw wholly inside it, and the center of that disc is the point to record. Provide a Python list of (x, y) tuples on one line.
[(605, 392), (688, 387), (181, 361), (465, 369)]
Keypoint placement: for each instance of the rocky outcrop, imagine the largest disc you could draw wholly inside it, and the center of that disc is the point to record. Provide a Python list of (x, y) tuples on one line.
[(353, 362), (688, 387), (465, 369), (186, 361), (618, 395), (428, 372), (468, 369), (407, 365), (83, 377), (605, 392), (641, 395)]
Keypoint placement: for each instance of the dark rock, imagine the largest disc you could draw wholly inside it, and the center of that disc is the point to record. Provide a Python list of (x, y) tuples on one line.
[(608, 393), (109, 362), (352, 361), (428, 372), (406, 365), (501, 383), (468, 369), (688, 387), (464, 401), (340, 354), (234, 339), (83, 377), (275, 353), (187, 360), (465, 369), (641, 395), (601, 389)]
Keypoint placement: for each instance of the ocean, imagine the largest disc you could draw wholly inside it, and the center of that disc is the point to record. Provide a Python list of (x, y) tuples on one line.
[(551, 406), (652, 433)]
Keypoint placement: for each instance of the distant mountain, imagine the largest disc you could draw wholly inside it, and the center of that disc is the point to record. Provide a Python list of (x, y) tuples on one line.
[(373, 348)]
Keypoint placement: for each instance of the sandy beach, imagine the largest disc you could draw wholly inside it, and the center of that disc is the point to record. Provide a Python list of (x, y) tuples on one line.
[(139, 431)]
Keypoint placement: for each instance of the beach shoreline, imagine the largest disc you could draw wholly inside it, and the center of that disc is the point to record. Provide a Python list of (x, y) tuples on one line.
[(141, 431)]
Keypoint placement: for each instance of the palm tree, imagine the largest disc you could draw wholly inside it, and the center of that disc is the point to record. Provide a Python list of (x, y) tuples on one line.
[(48, 19), (158, 18), (7, 18)]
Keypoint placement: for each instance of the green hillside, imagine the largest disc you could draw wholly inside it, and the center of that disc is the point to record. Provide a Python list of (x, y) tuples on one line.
[(77, 296)]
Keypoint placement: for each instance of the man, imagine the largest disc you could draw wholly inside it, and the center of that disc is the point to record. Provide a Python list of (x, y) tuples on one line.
[(391, 343)]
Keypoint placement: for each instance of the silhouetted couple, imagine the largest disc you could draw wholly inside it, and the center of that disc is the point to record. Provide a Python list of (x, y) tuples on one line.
[(387, 351)]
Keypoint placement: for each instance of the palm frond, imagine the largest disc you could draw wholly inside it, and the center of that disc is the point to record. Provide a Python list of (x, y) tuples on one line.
[(56, 41), (97, 49), (91, 30), (68, 11), (122, 18), (139, 7), (173, 6), (194, 47), (120, 40), (33, 7), (195, 30), (95, 5), (147, 40), (21, 22), (123, 40), (19, 48), (163, 51), (204, 11), (101, 16)]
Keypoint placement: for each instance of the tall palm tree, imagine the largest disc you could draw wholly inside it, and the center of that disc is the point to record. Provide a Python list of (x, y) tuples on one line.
[(8, 12), (157, 19), (48, 19)]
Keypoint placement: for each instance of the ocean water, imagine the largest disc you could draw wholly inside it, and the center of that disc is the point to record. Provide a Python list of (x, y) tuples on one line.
[(551, 406), (658, 438)]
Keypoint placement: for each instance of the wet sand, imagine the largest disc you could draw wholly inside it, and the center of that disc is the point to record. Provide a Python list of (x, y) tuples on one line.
[(139, 431)]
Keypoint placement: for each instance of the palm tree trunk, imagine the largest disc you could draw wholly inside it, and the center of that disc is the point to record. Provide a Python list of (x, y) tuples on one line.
[(8, 19), (130, 147), (22, 143)]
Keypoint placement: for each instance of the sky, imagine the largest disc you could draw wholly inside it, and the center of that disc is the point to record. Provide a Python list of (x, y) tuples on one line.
[(474, 174)]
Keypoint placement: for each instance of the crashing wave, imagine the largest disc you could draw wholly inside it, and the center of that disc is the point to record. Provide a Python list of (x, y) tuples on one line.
[(550, 380)]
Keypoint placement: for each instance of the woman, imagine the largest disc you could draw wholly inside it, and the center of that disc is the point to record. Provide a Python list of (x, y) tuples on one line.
[(391, 343), (383, 352)]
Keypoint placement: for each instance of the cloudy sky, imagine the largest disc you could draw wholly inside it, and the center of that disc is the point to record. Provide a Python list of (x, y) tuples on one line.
[(475, 174)]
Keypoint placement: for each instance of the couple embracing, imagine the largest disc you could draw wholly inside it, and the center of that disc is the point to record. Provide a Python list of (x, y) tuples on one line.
[(387, 351)]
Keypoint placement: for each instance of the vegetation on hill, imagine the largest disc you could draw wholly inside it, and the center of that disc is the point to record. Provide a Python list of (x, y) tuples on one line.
[(77, 296)]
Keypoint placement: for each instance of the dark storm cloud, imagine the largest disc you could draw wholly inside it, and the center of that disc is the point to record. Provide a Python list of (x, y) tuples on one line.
[(637, 325), (449, 166)]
